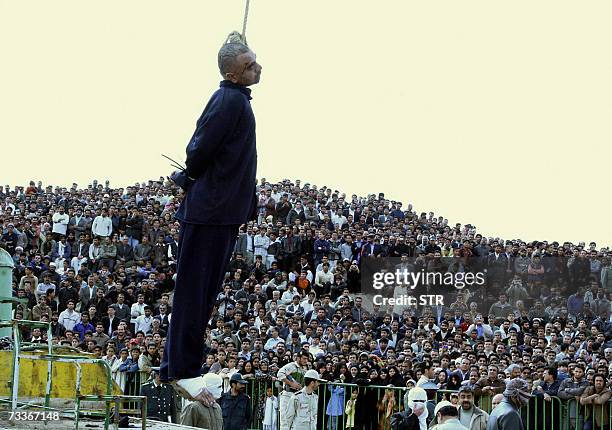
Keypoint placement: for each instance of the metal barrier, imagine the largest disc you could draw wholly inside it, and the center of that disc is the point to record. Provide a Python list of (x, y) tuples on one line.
[(133, 381), (51, 357), (587, 416), (257, 389), (375, 405), (553, 414), (370, 407)]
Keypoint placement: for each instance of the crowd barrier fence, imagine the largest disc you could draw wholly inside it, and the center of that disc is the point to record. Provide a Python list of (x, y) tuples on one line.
[(376, 404)]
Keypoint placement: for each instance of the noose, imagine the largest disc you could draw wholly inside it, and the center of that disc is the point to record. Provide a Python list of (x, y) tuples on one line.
[(234, 36)]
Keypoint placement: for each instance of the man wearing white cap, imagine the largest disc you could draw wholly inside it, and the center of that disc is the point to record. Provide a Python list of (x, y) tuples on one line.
[(415, 417), (448, 417), (302, 410)]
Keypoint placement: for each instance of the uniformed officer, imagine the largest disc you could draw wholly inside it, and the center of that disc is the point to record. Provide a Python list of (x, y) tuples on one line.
[(302, 409), (161, 404), (292, 375), (236, 405)]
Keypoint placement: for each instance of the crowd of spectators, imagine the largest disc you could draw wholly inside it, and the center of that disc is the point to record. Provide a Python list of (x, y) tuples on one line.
[(99, 263)]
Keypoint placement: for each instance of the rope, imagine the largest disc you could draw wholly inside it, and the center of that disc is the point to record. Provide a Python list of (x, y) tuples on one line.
[(244, 22), (234, 36)]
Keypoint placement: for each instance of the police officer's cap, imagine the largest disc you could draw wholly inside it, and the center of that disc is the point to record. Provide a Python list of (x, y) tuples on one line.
[(313, 374), (237, 377)]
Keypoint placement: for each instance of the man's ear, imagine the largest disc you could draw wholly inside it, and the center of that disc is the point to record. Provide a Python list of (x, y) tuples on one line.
[(231, 76)]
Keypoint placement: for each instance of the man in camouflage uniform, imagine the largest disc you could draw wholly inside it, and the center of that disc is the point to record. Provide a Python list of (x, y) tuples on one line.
[(292, 376), (302, 408)]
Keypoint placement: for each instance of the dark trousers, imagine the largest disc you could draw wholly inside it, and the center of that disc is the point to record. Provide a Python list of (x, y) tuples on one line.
[(203, 255)]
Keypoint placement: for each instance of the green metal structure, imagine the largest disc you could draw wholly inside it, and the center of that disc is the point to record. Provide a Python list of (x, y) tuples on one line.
[(6, 278), (9, 326)]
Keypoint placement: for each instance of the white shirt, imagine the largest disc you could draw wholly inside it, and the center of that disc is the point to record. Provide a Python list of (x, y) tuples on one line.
[(102, 226), (261, 244), (110, 326), (60, 223), (69, 319), (249, 243), (323, 277), (136, 311), (143, 323), (271, 343), (89, 291), (61, 248), (287, 296), (81, 247), (270, 411), (339, 220), (307, 306)]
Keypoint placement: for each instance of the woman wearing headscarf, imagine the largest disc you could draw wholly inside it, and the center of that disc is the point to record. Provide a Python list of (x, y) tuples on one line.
[(395, 378), (335, 405), (353, 373), (364, 418), (454, 382), (442, 379), (383, 376)]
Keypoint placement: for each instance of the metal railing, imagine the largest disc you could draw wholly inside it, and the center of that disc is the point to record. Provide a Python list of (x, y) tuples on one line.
[(18, 346), (376, 404), (133, 381)]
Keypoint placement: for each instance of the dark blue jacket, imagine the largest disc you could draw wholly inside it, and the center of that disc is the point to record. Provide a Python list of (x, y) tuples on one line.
[(222, 160), (236, 410), (81, 328), (321, 248), (129, 366)]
